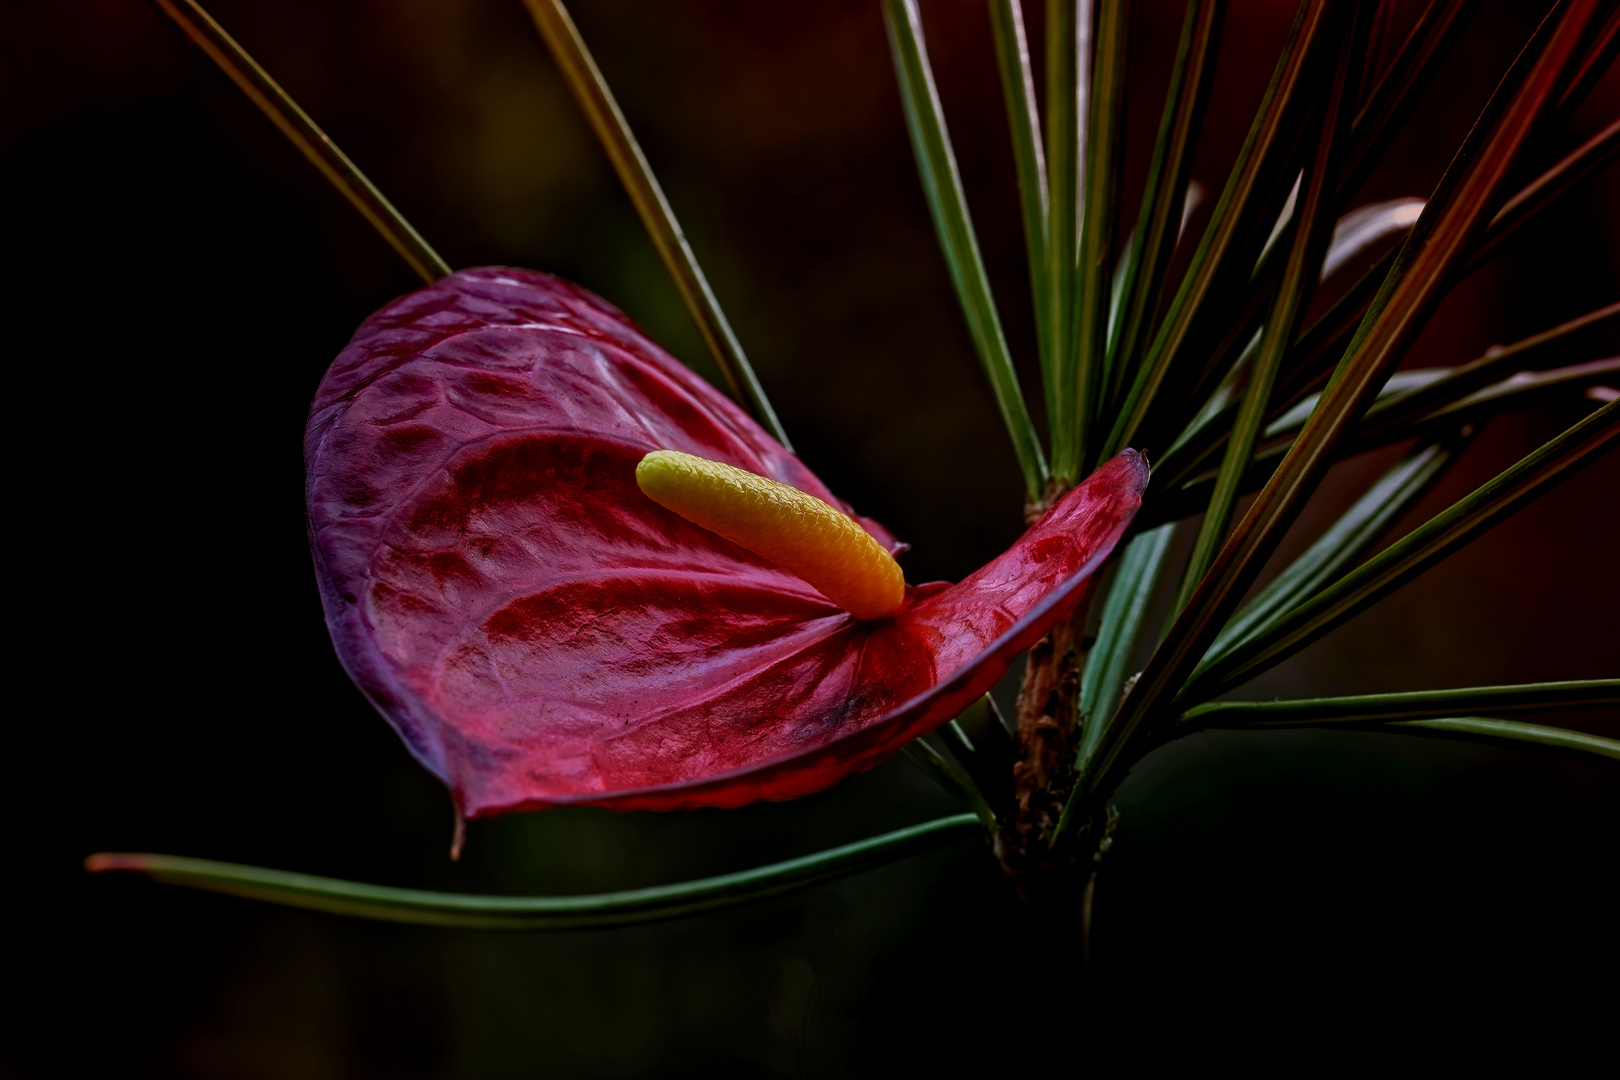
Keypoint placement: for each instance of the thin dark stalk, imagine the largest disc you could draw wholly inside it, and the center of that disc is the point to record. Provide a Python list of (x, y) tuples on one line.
[(540, 912), (1378, 43), (1441, 240), (310, 140), (591, 91)]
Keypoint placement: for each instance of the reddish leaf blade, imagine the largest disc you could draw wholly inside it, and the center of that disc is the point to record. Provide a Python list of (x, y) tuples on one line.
[(542, 633)]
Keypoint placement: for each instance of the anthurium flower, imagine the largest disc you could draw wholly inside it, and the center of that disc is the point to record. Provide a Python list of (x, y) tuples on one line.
[(542, 632)]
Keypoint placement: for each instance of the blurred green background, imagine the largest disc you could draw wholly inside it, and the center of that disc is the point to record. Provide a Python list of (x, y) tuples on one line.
[(177, 279)]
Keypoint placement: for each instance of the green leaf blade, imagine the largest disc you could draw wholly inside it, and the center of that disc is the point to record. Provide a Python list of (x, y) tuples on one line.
[(426, 908), (1515, 733), (1443, 236), (306, 135), (1123, 612), (1462, 381), (1069, 26), (1104, 142), (941, 770), (1350, 537), (612, 130), (1393, 96), (1164, 194), (942, 185), (1029, 155), (1414, 553), (1410, 705), (1227, 238), (1299, 276)]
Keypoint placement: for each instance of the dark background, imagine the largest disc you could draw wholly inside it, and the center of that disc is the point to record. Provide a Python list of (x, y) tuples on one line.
[(176, 280)]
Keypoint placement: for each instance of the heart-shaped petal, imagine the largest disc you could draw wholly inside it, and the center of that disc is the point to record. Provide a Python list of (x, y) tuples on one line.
[(542, 633)]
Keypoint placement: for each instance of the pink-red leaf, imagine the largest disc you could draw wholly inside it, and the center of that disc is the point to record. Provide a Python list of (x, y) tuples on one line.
[(541, 633)]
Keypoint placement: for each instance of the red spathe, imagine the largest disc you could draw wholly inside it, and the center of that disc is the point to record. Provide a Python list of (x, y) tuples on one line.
[(541, 633)]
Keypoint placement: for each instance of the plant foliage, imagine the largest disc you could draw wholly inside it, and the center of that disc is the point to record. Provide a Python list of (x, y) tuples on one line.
[(1210, 358)]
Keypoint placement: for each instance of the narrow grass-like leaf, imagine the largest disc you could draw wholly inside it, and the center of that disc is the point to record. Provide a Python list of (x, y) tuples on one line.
[(936, 164), (1029, 155), (591, 91), (1411, 705), (1516, 391), (1353, 234), (1540, 193), (1392, 98), (1599, 56), (1165, 192), (1299, 276), (1441, 240), (1519, 390), (1408, 557), (1094, 270), (1122, 615), (1498, 362), (540, 913), (1306, 365), (1211, 422), (955, 738), (1069, 26), (1460, 401), (987, 756), (1341, 546), (310, 140), (1401, 382), (1319, 347), (1514, 733), (1310, 358), (1365, 226), (1243, 203), (1328, 334), (940, 769)]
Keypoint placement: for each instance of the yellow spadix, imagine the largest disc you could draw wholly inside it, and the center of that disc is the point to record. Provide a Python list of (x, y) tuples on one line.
[(803, 535)]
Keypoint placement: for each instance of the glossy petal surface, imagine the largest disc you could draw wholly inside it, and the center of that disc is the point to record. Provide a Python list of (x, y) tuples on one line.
[(541, 633)]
